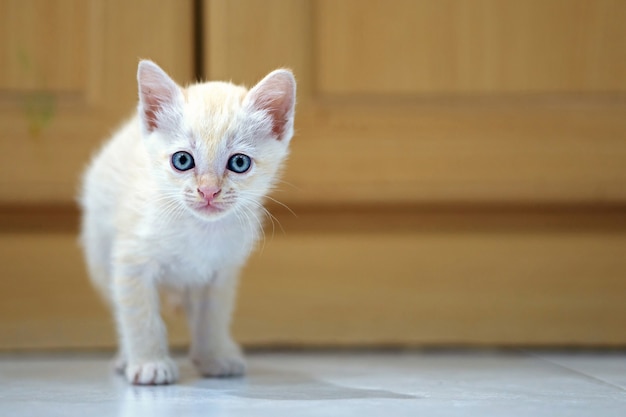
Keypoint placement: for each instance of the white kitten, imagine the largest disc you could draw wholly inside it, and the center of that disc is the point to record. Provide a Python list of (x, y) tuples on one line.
[(173, 200)]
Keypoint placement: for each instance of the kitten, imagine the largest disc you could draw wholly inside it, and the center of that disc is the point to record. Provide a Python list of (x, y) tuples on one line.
[(173, 200)]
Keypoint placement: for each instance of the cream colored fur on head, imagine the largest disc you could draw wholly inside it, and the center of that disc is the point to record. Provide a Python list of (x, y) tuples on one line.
[(174, 199)]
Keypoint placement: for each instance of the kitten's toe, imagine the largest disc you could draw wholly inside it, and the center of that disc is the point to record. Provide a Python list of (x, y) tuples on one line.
[(158, 372), (220, 364)]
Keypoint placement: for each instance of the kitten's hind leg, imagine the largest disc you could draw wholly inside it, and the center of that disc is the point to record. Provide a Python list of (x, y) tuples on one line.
[(209, 310)]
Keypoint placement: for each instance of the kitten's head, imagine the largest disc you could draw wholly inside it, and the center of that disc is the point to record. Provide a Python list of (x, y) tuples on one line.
[(215, 148)]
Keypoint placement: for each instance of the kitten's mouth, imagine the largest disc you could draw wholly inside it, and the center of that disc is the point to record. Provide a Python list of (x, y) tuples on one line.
[(210, 208)]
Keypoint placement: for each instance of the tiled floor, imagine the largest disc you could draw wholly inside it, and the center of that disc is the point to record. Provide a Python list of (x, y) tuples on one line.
[(330, 384)]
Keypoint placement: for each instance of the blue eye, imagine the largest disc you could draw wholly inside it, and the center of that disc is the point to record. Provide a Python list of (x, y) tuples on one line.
[(183, 161), (239, 163)]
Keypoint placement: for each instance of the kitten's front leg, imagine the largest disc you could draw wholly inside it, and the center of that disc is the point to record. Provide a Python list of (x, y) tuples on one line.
[(143, 337), (209, 310)]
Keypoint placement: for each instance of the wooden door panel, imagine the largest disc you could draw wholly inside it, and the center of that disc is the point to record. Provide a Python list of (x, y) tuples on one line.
[(458, 47), (68, 79), (358, 278), (537, 115), (418, 124), (57, 65)]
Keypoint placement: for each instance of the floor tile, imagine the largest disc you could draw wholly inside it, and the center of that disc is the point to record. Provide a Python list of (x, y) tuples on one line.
[(608, 367), (328, 384)]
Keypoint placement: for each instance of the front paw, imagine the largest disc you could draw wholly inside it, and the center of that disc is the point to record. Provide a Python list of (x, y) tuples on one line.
[(220, 363), (156, 372)]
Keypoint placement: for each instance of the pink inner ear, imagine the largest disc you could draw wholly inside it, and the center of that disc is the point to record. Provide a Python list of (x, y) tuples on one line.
[(150, 108), (275, 94), (158, 94), (279, 112)]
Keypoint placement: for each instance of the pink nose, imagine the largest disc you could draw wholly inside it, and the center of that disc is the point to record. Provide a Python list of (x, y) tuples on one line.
[(209, 193)]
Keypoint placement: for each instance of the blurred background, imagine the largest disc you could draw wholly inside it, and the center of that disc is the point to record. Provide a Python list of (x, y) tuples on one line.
[(458, 174)]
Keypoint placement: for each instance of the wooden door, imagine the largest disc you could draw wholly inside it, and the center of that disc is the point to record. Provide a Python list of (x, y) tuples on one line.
[(458, 171), (67, 80)]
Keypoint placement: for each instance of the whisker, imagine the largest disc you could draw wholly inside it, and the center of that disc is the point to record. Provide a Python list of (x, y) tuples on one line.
[(262, 195), (289, 184), (250, 214), (282, 204), (266, 212)]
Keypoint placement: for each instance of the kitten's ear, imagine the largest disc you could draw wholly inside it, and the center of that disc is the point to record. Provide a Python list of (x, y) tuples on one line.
[(160, 98), (276, 95)]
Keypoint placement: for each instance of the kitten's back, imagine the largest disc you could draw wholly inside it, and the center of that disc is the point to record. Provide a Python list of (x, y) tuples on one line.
[(104, 184)]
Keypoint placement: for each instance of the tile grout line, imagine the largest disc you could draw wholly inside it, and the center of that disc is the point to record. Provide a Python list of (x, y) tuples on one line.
[(576, 371)]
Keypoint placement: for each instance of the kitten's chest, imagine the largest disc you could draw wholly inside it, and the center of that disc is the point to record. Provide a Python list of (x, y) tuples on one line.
[(190, 253)]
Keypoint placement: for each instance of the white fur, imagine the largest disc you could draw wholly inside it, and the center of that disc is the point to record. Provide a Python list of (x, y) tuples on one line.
[(140, 230)]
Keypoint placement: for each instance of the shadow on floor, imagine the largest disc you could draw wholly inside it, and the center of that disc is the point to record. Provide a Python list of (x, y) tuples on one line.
[(267, 384), (286, 385)]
